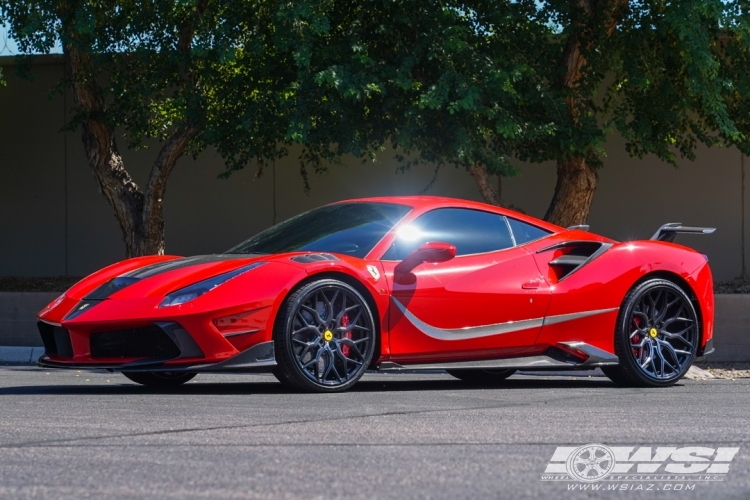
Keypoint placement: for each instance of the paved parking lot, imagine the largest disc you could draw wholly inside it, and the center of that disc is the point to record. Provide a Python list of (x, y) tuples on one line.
[(95, 435)]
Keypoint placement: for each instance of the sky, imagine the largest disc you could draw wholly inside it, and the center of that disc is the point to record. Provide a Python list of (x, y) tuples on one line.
[(8, 46)]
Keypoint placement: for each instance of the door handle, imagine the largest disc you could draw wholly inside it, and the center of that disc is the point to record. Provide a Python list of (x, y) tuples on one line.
[(531, 285)]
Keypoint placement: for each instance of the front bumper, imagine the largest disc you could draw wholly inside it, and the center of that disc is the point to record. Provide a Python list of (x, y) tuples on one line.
[(258, 358)]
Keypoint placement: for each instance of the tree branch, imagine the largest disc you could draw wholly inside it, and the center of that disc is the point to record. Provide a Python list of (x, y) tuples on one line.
[(157, 182), (484, 183), (176, 145)]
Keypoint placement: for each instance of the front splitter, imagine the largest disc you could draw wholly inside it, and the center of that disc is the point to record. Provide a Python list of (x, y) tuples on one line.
[(259, 358)]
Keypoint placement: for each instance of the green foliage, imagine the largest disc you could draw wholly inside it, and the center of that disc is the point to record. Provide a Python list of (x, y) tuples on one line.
[(440, 83), (681, 78), (470, 82), (460, 83), (229, 80)]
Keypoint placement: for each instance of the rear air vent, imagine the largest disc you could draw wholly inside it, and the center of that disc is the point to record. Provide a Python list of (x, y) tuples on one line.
[(314, 257), (573, 255)]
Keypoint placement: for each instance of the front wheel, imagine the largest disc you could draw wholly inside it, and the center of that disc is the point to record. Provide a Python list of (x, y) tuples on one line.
[(324, 337), (482, 377), (656, 336), (159, 379)]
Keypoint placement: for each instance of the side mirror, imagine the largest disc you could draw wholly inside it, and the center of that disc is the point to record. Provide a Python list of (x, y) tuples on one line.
[(433, 252)]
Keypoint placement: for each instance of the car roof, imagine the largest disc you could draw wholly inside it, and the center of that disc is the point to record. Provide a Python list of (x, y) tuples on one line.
[(424, 203)]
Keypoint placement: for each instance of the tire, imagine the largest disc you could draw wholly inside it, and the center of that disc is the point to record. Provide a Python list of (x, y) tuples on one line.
[(324, 337), (656, 336), (159, 379), (482, 377)]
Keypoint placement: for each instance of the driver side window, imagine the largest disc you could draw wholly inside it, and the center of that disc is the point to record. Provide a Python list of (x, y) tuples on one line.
[(470, 231)]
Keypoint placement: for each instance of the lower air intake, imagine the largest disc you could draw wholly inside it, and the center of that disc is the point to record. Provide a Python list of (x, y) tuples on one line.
[(56, 340), (145, 342)]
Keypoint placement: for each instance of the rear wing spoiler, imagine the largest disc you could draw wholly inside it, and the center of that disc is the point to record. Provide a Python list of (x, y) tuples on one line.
[(668, 231)]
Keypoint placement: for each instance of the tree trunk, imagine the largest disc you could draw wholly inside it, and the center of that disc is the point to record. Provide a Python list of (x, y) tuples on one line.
[(140, 214), (152, 217), (574, 192), (576, 179), (484, 183)]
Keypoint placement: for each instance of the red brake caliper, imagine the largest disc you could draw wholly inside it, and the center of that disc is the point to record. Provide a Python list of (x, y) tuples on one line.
[(347, 335), (637, 337)]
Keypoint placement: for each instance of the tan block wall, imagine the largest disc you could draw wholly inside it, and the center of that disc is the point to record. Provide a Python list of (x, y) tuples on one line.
[(18, 312), (732, 328)]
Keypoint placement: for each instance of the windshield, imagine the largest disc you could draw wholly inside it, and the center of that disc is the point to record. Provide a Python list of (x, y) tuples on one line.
[(347, 228)]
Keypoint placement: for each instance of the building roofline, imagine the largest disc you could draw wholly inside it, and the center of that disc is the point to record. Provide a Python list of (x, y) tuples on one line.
[(38, 60)]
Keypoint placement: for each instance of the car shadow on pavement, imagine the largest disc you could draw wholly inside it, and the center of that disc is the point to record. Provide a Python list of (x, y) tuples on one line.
[(272, 387)]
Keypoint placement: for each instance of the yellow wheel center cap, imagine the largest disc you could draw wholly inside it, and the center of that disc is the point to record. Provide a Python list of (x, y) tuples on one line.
[(328, 335), (653, 332)]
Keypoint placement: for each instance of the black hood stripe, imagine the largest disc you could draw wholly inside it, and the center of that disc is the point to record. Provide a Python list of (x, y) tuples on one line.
[(171, 265)]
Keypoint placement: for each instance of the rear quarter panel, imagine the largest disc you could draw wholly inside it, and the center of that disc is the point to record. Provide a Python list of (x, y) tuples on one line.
[(604, 282)]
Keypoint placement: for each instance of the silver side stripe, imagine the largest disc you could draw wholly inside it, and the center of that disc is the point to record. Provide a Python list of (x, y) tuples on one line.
[(474, 332), (560, 318)]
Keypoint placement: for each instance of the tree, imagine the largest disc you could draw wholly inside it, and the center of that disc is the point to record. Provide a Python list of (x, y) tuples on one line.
[(188, 74), (480, 83), (426, 78)]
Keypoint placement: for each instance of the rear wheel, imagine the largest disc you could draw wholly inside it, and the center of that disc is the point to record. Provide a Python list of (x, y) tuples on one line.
[(656, 337), (324, 337), (482, 377), (159, 379)]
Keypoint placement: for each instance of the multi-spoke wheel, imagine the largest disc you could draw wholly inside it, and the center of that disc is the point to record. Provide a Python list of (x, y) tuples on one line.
[(159, 379), (656, 337), (324, 338), (482, 377)]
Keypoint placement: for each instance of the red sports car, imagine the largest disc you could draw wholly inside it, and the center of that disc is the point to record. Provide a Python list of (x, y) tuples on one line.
[(392, 284)]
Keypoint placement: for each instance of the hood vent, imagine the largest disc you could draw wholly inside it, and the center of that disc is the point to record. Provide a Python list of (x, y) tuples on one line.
[(314, 257), (110, 287)]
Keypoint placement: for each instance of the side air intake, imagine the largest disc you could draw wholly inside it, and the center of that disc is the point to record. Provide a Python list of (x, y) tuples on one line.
[(574, 255)]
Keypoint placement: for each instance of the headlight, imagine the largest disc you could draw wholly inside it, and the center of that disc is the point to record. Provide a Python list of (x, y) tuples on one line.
[(197, 289)]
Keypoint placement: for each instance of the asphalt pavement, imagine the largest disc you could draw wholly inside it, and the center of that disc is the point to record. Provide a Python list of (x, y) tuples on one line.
[(67, 434)]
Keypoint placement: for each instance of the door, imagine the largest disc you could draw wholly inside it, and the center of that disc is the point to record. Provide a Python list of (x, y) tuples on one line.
[(489, 301)]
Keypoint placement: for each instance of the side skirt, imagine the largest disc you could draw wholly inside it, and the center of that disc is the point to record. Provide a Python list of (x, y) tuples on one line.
[(566, 355)]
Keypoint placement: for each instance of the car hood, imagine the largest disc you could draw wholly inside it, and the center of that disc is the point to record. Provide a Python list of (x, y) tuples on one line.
[(162, 277)]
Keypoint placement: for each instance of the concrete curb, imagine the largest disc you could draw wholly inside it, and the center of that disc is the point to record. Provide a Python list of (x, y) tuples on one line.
[(20, 355)]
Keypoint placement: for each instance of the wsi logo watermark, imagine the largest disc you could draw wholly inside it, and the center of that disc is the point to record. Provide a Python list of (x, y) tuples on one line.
[(592, 463)]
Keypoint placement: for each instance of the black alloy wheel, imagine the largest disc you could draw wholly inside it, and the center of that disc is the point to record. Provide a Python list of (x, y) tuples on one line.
[(324, 337), (657, 336)]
